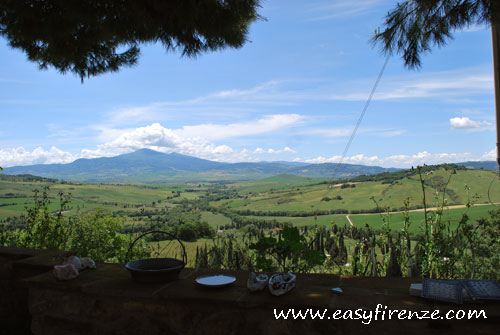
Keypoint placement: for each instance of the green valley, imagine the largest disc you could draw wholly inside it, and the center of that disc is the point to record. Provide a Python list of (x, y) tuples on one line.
[(285, 198), (219, 223)]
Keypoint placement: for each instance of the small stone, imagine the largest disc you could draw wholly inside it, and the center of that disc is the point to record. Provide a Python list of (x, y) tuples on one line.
[(87, 263), (65, 272), (337, 290), (257, 282), (281, 283), (77, 263)]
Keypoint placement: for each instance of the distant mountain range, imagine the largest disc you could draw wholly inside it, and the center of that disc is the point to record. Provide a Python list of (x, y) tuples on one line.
[(486, 165), (146, 165)]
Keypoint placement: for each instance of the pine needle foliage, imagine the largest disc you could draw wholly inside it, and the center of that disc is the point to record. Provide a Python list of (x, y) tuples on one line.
[(91, 37), (414, 26)]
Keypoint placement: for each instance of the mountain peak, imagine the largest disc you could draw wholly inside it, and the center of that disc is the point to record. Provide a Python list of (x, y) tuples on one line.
[(146, 151), (154, 153)]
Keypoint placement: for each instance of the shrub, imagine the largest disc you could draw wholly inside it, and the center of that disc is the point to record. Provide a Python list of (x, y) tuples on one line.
[(187, 232), (92, 234), (289, 253), (98, 237)]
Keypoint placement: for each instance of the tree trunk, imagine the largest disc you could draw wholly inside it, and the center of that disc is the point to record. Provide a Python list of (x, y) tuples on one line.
[(495, 34)]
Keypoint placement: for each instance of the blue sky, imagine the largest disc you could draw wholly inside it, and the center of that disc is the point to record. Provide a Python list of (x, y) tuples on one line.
[(294, 92)]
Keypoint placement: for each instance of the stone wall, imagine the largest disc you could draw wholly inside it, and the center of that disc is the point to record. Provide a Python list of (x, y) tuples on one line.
[(107, 301), (17, 264)]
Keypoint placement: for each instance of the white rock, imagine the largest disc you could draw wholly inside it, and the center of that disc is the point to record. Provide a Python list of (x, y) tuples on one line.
[(257, 283), (65, 272), (281, 283), (87, 263), (77, 263)]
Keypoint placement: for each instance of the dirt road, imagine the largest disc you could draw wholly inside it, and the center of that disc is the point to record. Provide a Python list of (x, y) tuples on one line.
[(432, 209)]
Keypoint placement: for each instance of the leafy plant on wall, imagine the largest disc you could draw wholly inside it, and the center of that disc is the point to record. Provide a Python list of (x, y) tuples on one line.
[(290, 252)]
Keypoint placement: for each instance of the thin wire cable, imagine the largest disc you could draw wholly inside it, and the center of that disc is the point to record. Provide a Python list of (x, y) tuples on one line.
[(353, 134)]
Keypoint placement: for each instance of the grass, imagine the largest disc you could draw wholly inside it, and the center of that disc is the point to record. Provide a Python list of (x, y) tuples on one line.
[(279, 193), (85, 197), (375, 221), (308, 197), (279, 182), (215, 220)]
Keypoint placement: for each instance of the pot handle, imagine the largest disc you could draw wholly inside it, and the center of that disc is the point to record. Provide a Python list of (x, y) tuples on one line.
[(184, 255)]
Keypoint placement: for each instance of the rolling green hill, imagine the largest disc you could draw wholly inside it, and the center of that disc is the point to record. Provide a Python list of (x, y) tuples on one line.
[(15, 195), (267, 198), (285, 197)]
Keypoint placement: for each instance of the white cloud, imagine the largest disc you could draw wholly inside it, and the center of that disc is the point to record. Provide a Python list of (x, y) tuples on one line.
[(357, 159), (259, 151), (489, 156), (391, 133), (239, 93), (13, 81), (21, 156), (427, 158), (343, 9), (263, 125), (445, 85), (197, 141), (406, 161), (194, 140), (222, 150), (269, 93), (466, 123), (344, 132), (159, 138), (272, 151), (136, 114), (473, 28), (154, 137), (331, 132)]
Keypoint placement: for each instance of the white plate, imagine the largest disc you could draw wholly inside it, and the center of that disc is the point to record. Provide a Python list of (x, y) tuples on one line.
[(215, 281)]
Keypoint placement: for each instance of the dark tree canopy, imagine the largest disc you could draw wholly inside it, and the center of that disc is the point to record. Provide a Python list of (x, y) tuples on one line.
[(416, 25), (91, 37)]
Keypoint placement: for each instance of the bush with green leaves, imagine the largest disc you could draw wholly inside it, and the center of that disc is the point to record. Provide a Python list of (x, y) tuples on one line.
[(290, 252), (91, 234), (44, 229), (98, 236)]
